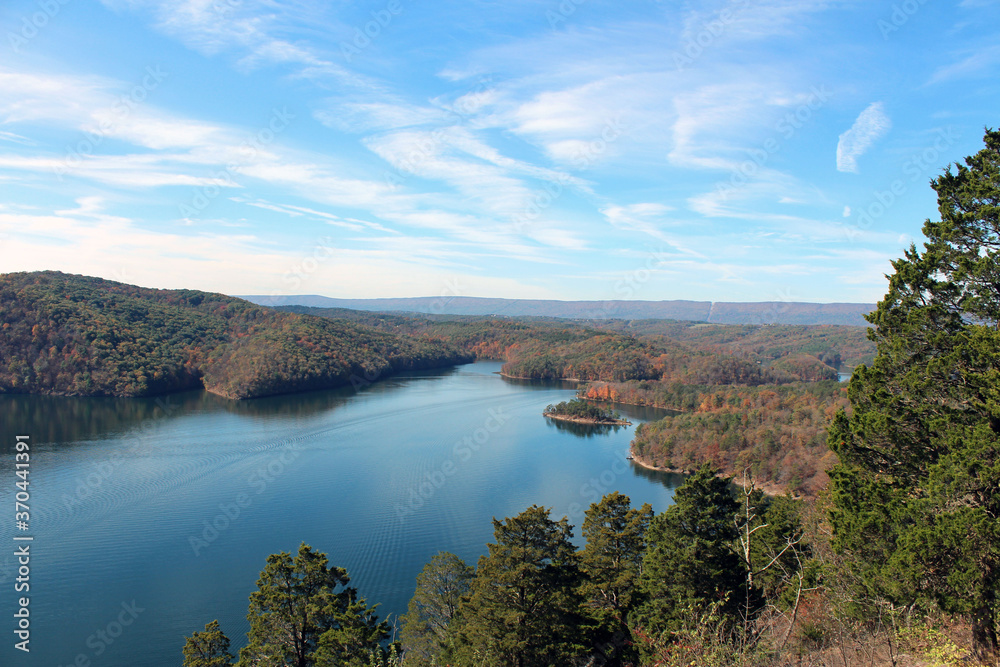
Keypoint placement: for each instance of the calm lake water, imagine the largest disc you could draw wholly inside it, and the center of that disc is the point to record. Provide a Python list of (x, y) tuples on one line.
[(152, 517)]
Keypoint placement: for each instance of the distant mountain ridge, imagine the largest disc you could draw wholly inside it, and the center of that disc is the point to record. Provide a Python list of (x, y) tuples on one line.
[(717, 312)]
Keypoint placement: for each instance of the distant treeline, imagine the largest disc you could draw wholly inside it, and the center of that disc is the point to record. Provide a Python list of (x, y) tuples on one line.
[(74, 335), (832, 345), (788, 313), (548, 349), (823, 346)]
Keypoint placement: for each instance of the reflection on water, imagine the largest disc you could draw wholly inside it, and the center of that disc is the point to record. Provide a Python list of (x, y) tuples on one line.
[(541, 384), (581, 429), (61, 419), (670, 480), (380, 477)]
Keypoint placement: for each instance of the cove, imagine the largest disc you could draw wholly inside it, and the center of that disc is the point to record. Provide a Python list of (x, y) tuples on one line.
[(152, 517)]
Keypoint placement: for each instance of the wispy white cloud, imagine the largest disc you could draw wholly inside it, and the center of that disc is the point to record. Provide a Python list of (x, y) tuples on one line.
[(130, 171), (16, 139), (749, 21), (353, 224), (870, 126), (382, 115), (710, 121), (423, 152), (98, 107), (46, 98), (646, 218), (259, 32), (981, 62), (89, 240), (458, 160)]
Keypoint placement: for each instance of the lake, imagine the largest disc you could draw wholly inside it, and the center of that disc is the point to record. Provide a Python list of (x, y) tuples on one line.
[(152, 517)]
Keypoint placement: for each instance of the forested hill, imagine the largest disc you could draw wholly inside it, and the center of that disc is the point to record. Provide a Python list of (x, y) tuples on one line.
[(839, 346), (764, 312), (549, 348), (76, 335)]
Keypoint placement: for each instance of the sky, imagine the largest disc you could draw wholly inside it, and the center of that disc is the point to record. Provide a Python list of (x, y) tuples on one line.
[(740, 150)]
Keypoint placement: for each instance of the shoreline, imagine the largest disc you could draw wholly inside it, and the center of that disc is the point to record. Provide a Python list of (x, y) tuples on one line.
[(638, 404), (585, 420), (768, 489), (518, 377)]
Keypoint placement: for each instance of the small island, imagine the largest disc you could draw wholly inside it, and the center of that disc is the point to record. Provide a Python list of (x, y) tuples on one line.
[(581, 411)]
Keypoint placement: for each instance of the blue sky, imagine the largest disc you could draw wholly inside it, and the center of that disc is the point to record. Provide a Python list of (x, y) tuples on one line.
[(742, 150)]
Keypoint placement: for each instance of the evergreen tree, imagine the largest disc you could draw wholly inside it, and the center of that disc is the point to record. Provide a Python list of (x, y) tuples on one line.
[(690, 563), (612, 557), (355, 639), (916, 497), (208, 648), (523, 607), (298, 618), (440, 587), (611, 563)]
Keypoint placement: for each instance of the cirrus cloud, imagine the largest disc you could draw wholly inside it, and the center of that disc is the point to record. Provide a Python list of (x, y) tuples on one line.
[(870, 126)]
